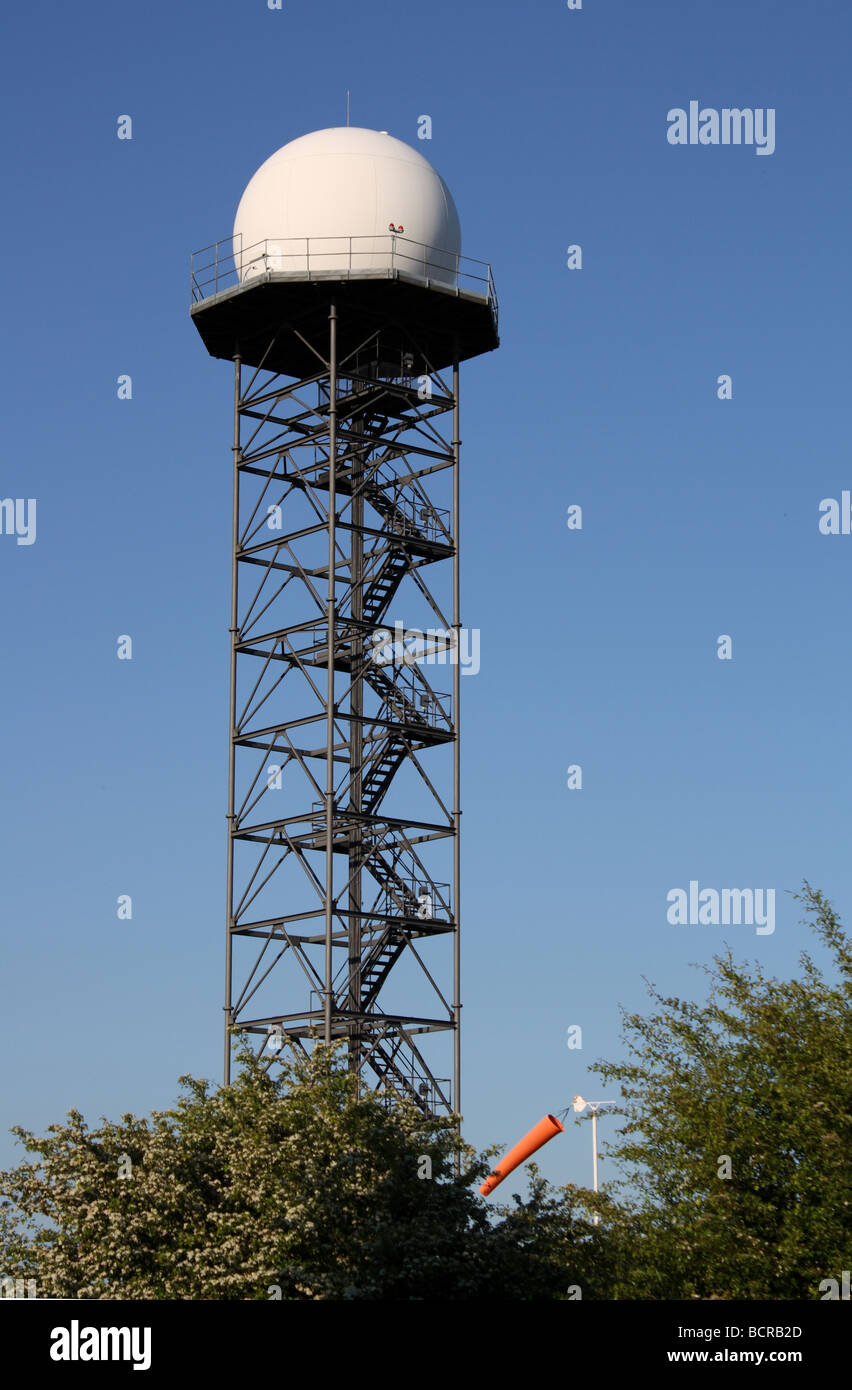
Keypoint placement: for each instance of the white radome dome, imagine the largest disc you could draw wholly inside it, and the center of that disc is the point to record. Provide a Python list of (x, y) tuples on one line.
[(346, 189)]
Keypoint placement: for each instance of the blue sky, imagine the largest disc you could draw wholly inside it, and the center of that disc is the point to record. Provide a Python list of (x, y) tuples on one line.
[(598, 646)]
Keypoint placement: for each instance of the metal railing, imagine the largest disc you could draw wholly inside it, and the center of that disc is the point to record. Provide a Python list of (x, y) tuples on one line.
[(412, 512), (432, 899), (407, 695), (224, 264)]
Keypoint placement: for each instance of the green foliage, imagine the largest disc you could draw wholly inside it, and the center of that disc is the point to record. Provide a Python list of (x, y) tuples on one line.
[(289, 1184), (762, 1073), (284, 1181)]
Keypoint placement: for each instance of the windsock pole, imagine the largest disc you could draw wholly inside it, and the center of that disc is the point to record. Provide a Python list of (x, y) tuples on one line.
[(537, 1136)]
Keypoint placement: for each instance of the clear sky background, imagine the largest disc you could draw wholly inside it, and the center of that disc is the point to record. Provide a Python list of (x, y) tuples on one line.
[(598, 647)]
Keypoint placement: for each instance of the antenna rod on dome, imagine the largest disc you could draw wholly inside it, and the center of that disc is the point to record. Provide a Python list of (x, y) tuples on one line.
[(347, 105)]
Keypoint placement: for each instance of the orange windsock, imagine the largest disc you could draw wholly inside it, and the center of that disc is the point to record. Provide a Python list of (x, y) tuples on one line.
[(538, 1135)]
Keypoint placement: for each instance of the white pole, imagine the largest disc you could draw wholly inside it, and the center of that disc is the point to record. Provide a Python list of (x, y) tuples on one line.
[(595, 1155)]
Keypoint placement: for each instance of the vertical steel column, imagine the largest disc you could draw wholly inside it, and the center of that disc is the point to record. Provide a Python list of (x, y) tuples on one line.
[(356, 750), (331, 635), (230, 815), (456, 746)]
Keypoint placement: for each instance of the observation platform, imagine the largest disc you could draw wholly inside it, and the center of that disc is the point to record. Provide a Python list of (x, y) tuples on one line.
[(419, 297)]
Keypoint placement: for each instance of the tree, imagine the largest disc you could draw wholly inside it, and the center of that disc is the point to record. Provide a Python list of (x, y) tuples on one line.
[(735, 1142), (286, 1184), (738, 1132)]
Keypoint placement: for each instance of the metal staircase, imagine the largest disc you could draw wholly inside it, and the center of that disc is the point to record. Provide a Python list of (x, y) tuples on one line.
[(378, 963), (388, 1060), (381, 770), (381, 589), (397, 890), (400, 703)]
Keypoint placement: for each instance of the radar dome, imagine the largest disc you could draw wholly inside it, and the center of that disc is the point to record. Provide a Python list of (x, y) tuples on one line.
[(350, 200)]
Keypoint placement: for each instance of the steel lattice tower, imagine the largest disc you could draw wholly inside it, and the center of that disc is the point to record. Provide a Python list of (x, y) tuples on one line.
[(343, 792)]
